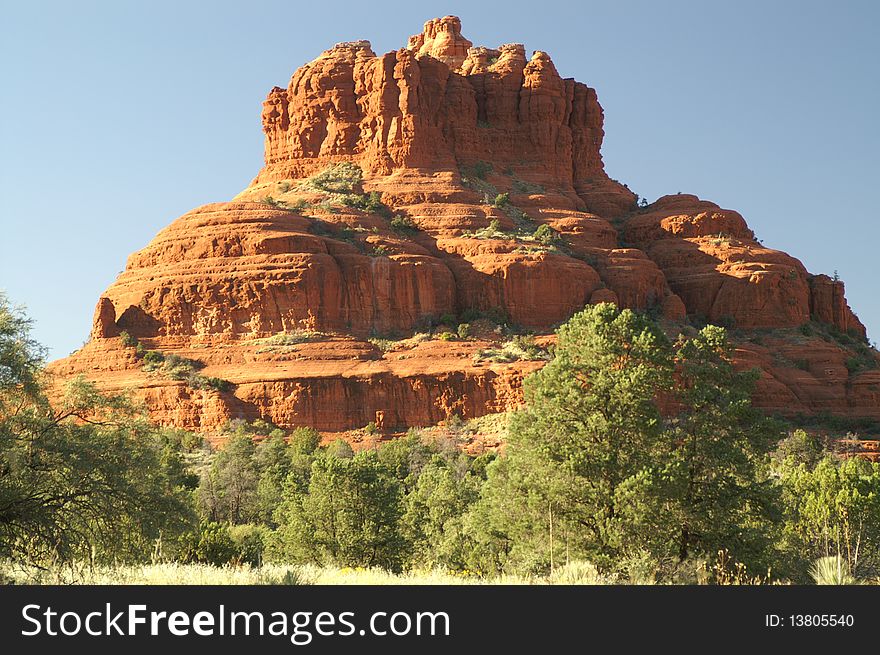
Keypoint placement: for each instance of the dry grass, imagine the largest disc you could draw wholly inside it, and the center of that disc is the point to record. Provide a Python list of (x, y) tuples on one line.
[(269, 574)]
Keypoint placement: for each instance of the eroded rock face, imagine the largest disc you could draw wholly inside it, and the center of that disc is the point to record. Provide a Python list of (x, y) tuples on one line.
[(437, 105), (494, 199)]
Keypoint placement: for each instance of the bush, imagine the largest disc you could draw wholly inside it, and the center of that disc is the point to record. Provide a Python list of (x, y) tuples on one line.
[(370, 202), (250, 543), (337, 178), (401, 223), (210, 544), (180, 368), (520, 347), (831, 570), (463, 330), (127, 340), (153, 359), (546, 235), (501, 199), (196, 381)]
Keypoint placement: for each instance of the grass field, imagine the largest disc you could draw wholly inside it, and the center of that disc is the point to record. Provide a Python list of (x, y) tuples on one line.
[(275, 574)]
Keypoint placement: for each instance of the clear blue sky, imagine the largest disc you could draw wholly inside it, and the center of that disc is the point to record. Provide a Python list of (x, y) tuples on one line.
[(117, 117)]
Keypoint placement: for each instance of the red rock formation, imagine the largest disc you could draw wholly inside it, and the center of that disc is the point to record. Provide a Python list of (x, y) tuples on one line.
[(474, 149)]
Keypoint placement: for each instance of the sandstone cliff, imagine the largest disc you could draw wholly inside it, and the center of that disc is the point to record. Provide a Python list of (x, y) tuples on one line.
[(442, 184)]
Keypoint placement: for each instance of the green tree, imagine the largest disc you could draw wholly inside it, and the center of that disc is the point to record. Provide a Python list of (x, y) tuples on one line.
[(349, 516), (833, 509), (87, 479), (590, 423), (722, 496), (228, 492), (433, 518), (273, 461)]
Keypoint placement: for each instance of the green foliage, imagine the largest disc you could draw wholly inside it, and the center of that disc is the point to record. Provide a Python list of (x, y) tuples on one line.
[(402, 223), (463, 330), (594, 471), (349, 516), (369, 202), (799, 447), (520, 347), (152, 360), (721, 496), (833, 509), (127, 340), (196, 381), (337, 178), (501, 200), (546, 235), (89, 479), (210, 544), (491, 231), (229, 491), (249, 542), (433, 517), (180, 368), (481, 169)]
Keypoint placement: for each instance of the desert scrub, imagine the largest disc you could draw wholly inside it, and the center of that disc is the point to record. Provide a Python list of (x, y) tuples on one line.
[(546, 235), (284, 340), (402, 224), (340, 185), (385, 345), (336, 178), (491, 231), (520, 347), (368, 202), (182, 369), (206, 382)]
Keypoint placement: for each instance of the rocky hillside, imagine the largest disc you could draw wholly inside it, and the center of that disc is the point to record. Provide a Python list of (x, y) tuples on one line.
[(418, 213)]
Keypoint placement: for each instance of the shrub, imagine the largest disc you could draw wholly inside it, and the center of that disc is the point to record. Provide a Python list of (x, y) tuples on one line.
[(180, 368), (401, 223), (520, 347), (501, 199), (250, 543), (337, 178), (153, 359), (370, 202), (371, 428), (463, 330), (546, 235), (127, 340), (210, 544), (831, 570), (446, 336), (380, 251), (206, 382), (492, 231), (283, 339)]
